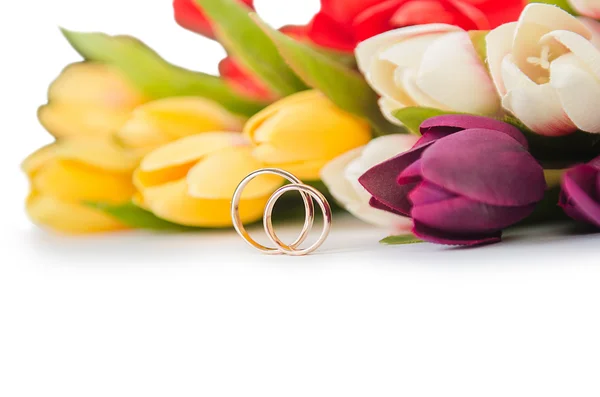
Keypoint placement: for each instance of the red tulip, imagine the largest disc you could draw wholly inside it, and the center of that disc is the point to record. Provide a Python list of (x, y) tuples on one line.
[(189, 15), (342, 24), (242, 81)]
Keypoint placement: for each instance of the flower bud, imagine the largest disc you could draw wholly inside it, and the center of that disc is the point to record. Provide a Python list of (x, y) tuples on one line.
[(342, 173), (580, 195), (467, 179), (191, 181), (69, 173), (88, 99), (159, 122), (303, 132)]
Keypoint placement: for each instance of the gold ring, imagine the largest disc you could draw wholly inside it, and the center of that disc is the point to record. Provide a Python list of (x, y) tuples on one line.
[(308, 194), (237, 222), (268, 221)]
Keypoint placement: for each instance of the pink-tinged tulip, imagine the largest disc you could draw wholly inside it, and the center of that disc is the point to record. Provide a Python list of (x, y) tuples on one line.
[(580, 196), (428, 65), (547, 70), (466, 179), (589, 8)]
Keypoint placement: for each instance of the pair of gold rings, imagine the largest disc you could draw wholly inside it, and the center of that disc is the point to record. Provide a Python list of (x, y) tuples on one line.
[(308, 194)]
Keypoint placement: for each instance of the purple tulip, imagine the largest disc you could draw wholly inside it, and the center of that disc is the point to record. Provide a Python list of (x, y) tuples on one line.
[(464, 181), (580, 196)]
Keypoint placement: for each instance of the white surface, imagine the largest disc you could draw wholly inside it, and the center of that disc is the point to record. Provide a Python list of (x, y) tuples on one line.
[(201, 314)]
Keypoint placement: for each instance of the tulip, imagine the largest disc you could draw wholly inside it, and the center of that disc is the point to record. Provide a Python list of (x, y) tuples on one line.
[(189, 15), (589, 8), (547, 71), (165, 120), (191, 181), (342, 24), (243, 81), (71, 172), (580, 195), (467, 179), (431, 65), (88, 99), (303, 132), (341, 178)]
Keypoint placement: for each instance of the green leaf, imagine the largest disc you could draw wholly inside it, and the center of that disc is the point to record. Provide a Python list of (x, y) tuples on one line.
[(401, 240), (564, 4), (343, 86), (413, 117), (135, 217), (152, 75), (250, 45)]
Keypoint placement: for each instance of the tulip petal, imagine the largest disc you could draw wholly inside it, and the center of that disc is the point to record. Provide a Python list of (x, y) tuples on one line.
[(551, 18), (77, 182), (589, 8), (168, 119), (594, 27), (172, 202), (380, 181), (579, 197), (536, 21), (384, 148), (68, 217), (462, 83), (410, 174), (366, 52), (341, 178), (434, 236), (35, 161), (101, 153), (190, 149), (451, 123), (499, 44), (440, 210), (536, 105), (579, 92), (579, 46), (388, 106), (217, 176), (333, 175), (256, 121), (373, 202), (94, 84), (462, 164)]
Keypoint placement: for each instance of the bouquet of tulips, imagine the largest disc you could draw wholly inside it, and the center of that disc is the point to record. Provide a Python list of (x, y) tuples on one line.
[(448, 120)]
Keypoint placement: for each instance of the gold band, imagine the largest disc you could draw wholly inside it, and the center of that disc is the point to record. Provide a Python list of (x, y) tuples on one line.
[(308, 194)]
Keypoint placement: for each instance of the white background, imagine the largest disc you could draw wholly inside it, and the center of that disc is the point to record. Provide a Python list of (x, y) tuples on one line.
[(202, 315)]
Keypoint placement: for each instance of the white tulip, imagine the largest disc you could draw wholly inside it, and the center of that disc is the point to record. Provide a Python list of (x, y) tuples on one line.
[(341, 177), (432, 65), (547, 70)]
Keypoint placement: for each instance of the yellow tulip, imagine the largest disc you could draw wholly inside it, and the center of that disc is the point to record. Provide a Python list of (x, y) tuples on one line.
[(191, 181), (159, 122), (68, 173), (303, 132), (88, 99)]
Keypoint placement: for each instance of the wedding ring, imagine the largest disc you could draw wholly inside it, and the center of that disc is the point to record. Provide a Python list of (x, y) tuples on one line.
[(241, 230), (268, 220), (308, 194)]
